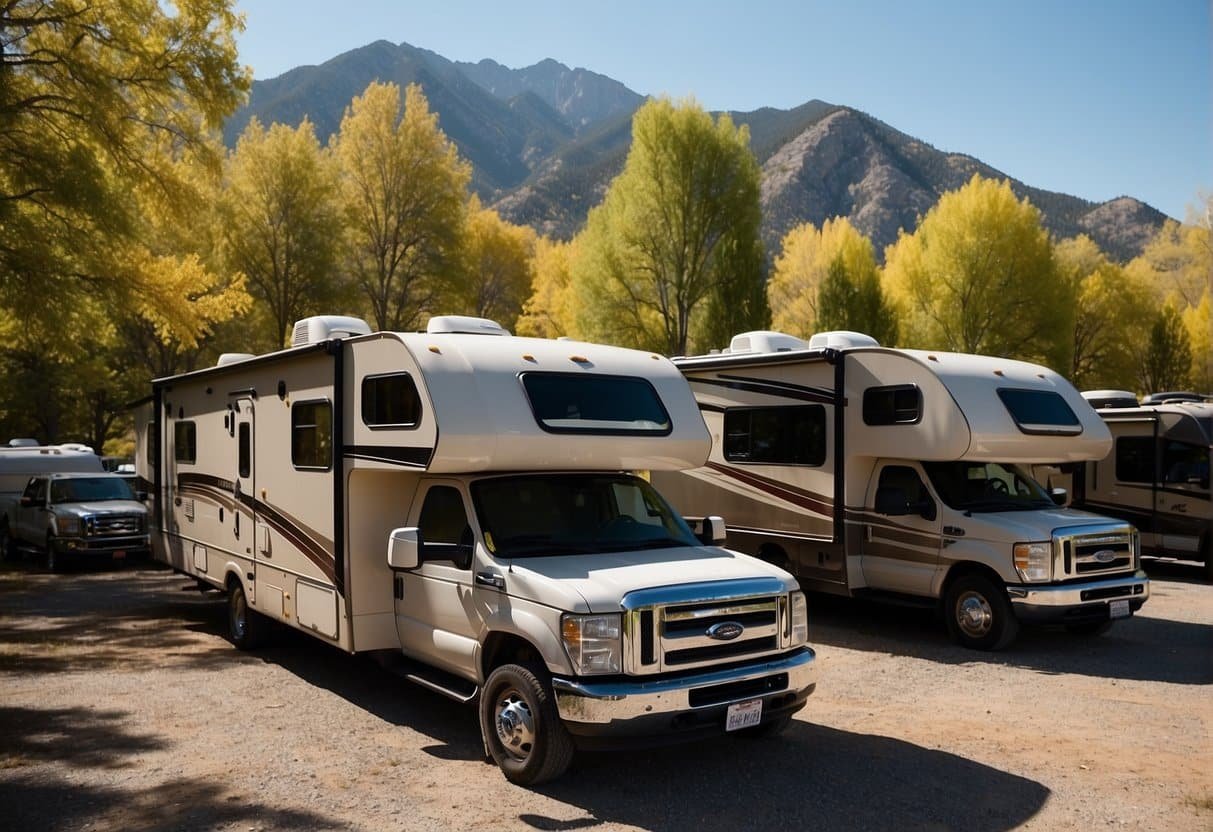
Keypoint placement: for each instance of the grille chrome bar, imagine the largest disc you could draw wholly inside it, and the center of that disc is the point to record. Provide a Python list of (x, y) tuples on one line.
[(1100, 549)]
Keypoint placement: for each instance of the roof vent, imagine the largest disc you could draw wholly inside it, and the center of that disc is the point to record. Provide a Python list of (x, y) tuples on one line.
[(23, 442), (464, 325), (233, 357), (841, 339), (765, 341), (320, 328)]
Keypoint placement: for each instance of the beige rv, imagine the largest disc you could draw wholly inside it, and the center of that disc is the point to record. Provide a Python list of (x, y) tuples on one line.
[(1156, 475), (459, 503), (903, 475)]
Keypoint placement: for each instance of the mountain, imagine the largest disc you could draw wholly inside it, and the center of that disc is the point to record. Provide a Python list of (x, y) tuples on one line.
[(546, 140)]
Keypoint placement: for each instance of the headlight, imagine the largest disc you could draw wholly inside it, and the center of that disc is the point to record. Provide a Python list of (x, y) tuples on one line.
[(800, 619), (68, 525), (593, 643), (1034, 561)]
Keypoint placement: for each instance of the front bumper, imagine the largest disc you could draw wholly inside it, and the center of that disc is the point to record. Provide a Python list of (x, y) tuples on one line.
[(1075, 602), (107, 546), (686, 705)]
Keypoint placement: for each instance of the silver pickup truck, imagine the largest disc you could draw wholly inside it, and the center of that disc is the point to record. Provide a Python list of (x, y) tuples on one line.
[(76, 516)]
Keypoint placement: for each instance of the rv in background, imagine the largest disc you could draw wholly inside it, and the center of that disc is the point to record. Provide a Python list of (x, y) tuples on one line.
[(22, 459), (1157, 474), (902, 474), (457, 501)]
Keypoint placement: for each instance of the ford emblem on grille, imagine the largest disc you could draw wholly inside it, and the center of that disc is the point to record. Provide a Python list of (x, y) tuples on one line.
[(1105, 556), (725, 631)]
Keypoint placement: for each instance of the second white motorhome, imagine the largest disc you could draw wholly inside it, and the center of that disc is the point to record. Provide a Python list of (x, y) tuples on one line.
[(898, 474), (459, 500)]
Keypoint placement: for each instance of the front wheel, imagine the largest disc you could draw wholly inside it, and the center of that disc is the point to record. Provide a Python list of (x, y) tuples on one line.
[(246, 626), (979, 614), (53, 560), (8, 549), (520, 725)]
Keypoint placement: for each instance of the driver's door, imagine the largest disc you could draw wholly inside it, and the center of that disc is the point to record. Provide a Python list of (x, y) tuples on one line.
[(437, 617), (901, 552)]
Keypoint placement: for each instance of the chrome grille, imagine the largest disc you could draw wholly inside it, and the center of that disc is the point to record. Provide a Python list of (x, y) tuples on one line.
[(674, 628), (113, 524), (1096, 550)]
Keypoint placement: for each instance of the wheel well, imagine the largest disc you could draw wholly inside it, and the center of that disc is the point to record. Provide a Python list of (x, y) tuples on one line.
[(963, 568), (231, 580), (506, 648), (774, 553)]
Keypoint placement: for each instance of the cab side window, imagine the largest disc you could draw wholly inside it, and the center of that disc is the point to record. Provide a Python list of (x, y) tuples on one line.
[(445, 531), (907, 480), (36, 489)]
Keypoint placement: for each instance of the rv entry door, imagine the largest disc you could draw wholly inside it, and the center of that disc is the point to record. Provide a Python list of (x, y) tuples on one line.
[(244, 495), (901, 542)]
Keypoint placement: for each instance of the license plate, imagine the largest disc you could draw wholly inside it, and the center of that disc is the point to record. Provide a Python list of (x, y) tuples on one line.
[(119, 555), (744, 715), (1118, 609)]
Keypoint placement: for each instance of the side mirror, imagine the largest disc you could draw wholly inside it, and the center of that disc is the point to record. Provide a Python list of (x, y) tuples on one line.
[(1059, 496), (402, 548), (30, 502), (141, 496), (712, 531)]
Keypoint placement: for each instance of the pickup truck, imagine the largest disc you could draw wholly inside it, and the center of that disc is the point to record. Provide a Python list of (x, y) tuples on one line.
[(76, 516)]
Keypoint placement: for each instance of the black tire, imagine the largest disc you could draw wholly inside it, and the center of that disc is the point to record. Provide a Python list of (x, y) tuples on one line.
[(245, 626), (521, 729), (979, 613), (1089, 628), (53, 560), (8, 548), (1207, 549), (770, 728)]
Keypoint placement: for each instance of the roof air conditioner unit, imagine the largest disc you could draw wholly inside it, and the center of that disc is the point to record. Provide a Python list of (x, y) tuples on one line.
[(233, 357), (765, 341), (464, 325), (320, 328), (841, 339)]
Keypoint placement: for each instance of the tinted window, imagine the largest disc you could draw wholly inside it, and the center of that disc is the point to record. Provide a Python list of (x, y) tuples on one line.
[(900, 405), (905, 479), (390, 401), (1185, 464), (566, 403), (443, 522), (88, 489), (312, 435), (185, 436), (1040, 411), (776, 435), (246, 449), (1135, 459)]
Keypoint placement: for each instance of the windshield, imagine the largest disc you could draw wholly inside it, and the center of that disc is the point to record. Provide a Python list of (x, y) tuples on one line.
[(90, 489), (986, 486), (560, 514)]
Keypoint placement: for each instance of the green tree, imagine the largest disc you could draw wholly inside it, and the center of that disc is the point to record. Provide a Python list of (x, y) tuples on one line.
[(403, 192), (281, 225), (978, 276), (679, 224), (1167, 358), (1112, 310), (97, 102), (1199, 322), (857, 304)]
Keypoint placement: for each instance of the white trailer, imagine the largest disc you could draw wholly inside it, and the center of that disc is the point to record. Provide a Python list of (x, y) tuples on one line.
[(897, 474), (460, 500)]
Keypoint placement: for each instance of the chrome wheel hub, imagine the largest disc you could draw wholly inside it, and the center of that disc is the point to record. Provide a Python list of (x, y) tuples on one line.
[(238, 615), (515, 725), (974, 615)]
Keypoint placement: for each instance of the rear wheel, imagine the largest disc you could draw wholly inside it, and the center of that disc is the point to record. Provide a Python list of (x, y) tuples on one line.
[(979, 613), (521, 727), (246, 627)]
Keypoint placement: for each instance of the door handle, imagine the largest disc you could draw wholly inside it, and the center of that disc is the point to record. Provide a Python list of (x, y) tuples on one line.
[(490, 579)]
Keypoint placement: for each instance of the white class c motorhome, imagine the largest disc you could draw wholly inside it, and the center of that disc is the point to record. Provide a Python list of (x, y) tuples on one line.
[(459, 499), (897, 474), (1156, 476)]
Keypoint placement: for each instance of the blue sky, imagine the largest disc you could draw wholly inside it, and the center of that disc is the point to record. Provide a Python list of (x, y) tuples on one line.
[(1095, 99)]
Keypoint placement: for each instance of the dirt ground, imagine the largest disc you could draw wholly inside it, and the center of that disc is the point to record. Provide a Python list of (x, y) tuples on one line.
[(123, 707)]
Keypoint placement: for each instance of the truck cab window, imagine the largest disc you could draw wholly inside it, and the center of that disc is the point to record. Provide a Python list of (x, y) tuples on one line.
[(907, 480), (443, 523)]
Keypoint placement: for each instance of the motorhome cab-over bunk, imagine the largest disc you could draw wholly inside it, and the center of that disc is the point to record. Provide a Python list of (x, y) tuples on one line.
[(460, 499), (901, 474)]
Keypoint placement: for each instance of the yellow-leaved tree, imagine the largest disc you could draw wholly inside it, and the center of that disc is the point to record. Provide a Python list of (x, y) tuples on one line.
[(978, 276), (403, 189), (496, 267), (550, 311)]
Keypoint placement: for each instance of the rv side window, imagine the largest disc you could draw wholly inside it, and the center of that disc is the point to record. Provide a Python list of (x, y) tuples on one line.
[(897, 405), (246, 449), (1040, 412), (776, 435), (1135, 458), (312, 435), (584, 403), (185, 442), (390, 401), (1185, 464)]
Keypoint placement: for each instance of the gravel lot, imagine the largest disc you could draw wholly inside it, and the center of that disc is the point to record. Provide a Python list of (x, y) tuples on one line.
[(123, 707)]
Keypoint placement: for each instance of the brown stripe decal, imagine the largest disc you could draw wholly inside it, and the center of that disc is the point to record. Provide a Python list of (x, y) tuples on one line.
[(797, 496)]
